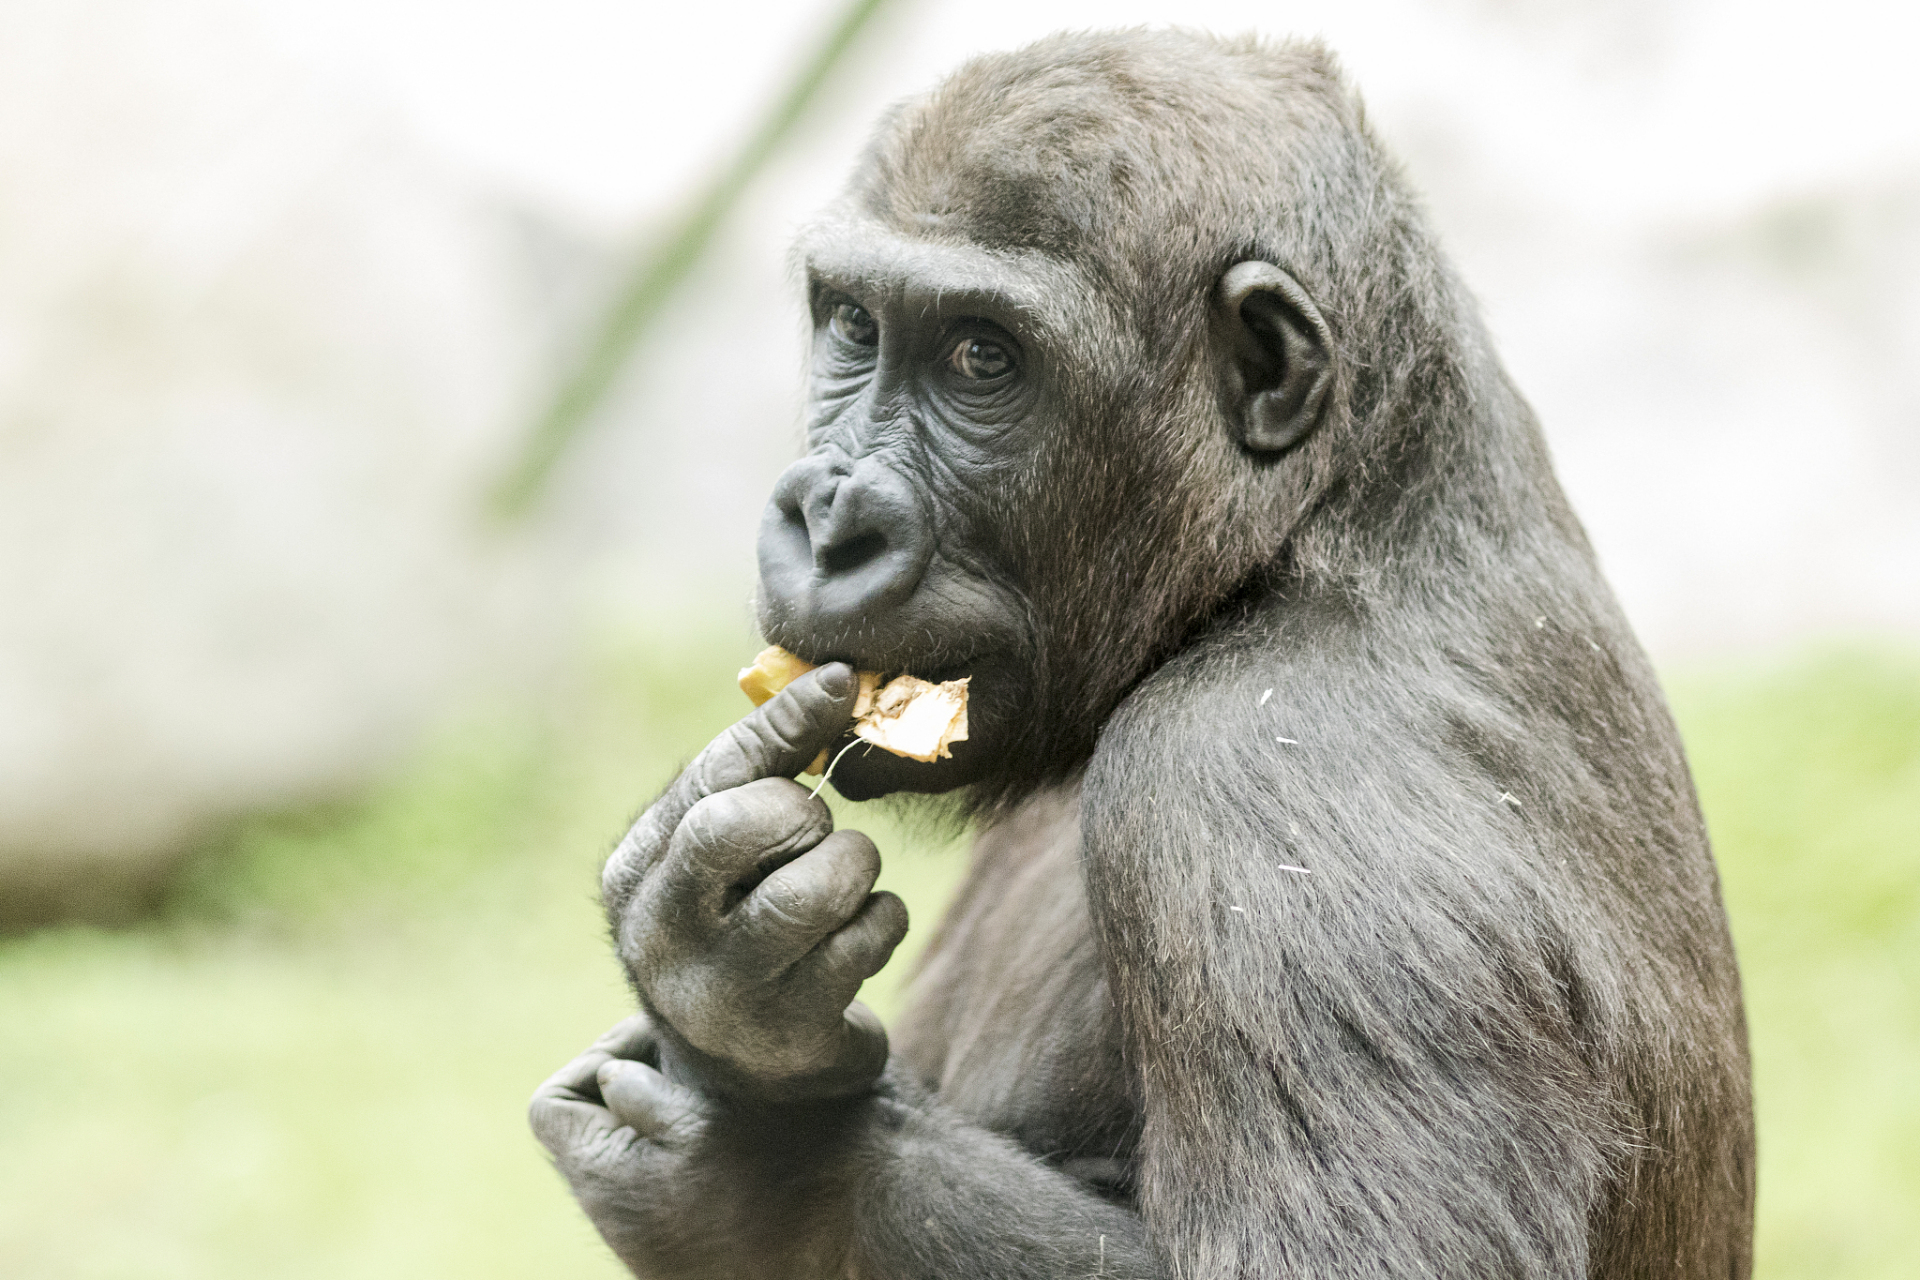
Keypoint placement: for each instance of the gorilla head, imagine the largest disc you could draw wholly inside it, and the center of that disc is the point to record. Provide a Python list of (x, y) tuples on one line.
[(1076, 379)]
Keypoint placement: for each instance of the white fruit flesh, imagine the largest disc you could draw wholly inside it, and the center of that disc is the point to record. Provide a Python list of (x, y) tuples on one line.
[(909, 716)]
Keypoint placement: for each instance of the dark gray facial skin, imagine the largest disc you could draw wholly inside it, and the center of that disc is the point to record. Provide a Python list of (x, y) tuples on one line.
[(1340, 906), (913, 535), (931, 388)]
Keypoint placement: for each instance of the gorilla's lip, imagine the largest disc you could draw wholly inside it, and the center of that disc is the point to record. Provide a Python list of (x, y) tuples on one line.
[(890, 668), (931, 646), (938, 675)]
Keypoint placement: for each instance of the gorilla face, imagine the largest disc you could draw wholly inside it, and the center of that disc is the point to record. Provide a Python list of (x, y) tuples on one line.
[(1001, 483), (891, 544)]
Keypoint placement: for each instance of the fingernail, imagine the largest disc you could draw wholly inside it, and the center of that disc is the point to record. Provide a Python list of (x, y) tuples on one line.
[(836, 679)]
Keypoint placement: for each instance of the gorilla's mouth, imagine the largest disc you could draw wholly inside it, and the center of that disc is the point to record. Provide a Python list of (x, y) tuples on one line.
[(861, 770)]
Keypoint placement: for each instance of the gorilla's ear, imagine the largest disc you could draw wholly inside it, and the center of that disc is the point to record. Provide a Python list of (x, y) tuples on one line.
[(1281, 348)]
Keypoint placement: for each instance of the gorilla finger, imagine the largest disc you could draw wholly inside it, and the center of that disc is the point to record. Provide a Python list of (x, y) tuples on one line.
[(642, 1098), (564, 1124), (782, 735), (734, 838), (818, 892), (777, 739), (575, 1080), (861, 949), (632, 1038), (638, 852)]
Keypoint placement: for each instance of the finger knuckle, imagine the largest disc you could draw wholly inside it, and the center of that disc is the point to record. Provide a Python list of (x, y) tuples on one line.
[(804, 906), (772, 732), (640, 927), (773, 917), (723, 820), (733, 758), (753, 820)]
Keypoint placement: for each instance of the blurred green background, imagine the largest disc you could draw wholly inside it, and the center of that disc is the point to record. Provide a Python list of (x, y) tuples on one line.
[(315, 1062)]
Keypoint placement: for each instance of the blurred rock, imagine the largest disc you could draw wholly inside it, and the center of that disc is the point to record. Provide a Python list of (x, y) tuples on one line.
[(259, 361)]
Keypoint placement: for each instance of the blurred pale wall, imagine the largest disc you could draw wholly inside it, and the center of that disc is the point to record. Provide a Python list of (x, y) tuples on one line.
[(282, 284)]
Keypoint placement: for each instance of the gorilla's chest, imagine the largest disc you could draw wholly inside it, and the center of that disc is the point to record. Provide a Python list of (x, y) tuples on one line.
[(1011, 1020)]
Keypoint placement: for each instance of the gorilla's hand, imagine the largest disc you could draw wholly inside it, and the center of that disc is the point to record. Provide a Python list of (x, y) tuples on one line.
[(747, 923), (623, 1137), (685, 1187)]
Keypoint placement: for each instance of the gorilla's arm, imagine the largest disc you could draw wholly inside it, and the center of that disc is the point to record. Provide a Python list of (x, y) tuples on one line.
[(890, 1186), (1344, 978), (740, 1127), (943, 1197)]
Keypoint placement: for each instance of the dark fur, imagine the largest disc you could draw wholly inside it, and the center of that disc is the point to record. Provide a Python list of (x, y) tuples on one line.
[(1493, 1028)]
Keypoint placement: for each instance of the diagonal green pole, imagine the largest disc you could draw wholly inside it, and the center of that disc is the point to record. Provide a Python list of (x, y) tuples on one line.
[(654, 277)]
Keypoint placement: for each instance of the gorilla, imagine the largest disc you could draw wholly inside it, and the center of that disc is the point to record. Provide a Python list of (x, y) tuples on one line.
[(1340, 905)]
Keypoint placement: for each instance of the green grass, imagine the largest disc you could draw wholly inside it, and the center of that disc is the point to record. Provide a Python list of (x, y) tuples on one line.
[(315, 1064), (1811, 781)]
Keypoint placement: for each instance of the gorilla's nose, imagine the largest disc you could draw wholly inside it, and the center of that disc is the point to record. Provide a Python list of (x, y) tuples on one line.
[(841, 541)]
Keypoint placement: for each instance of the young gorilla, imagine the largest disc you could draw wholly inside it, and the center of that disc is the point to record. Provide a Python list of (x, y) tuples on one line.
[(1341, 905)]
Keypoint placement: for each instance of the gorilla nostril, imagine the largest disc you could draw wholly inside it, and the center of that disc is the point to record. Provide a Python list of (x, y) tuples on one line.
[(845, 557), (838, 550)]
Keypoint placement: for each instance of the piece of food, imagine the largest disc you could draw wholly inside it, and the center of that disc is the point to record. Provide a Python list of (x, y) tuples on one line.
[(909, 716), (773, 670), (914, 718)]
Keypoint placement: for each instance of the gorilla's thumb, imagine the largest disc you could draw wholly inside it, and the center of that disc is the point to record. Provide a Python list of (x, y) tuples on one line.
[(640, 1096)]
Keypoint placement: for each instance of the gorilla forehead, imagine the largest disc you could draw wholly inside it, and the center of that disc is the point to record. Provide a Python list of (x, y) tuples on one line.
[(1088, 146)]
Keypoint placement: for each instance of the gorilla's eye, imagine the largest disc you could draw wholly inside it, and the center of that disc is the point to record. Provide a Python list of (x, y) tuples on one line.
[(851, 323), (979, 360)]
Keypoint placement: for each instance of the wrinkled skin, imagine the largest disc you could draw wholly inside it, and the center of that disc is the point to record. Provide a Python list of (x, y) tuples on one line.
[(626, 1139), (747, 923), (879, 546)]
